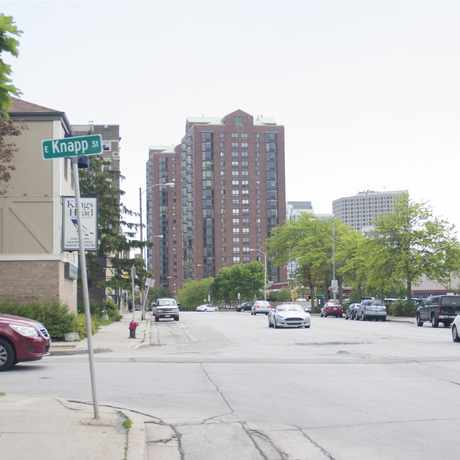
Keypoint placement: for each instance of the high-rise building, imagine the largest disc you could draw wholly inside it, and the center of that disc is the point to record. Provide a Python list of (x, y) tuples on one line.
[(360, 211), (164, 257), (296, 208), (229, 194)]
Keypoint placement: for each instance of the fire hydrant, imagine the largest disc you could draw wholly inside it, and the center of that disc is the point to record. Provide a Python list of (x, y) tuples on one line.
[(132, 329)]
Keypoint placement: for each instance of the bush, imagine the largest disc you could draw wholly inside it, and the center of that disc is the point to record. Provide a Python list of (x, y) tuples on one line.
[(79, 325), (98, 311), (402, 308), (54, 316)]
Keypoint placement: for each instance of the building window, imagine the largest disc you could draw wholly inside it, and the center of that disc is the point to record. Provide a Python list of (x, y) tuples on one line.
[(236, 258)]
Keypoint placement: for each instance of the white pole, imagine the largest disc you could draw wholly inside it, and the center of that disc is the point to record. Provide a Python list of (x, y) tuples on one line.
[(133, 289), (84, 280), (265, 275), (334, 293)]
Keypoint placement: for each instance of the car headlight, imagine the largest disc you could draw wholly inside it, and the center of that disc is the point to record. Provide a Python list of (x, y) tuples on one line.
[(26, 331)]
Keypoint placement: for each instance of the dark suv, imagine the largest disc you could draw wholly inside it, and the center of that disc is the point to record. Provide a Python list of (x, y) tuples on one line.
[(438, 309), (21, 339), (245, 306)]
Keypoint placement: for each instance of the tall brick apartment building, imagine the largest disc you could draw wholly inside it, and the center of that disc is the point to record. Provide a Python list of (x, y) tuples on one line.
[(229, 193)]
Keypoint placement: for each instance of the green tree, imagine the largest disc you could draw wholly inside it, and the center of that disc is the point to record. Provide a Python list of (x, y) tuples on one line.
[(8, 44), (7, 151), (194, 292), (308, 242), (411, 243), (116, 233), (245, 279)]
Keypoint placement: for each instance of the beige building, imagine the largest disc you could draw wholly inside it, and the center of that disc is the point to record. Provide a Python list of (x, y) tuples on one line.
[(32, 263)]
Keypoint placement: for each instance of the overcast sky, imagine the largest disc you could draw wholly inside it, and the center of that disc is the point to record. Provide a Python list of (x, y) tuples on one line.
[(368, 90)]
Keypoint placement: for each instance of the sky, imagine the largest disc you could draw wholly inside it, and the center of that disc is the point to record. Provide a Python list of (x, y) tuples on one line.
[(368, 91)]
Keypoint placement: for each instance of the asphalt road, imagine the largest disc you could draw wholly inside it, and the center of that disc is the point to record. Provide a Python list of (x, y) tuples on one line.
[(228, 387)]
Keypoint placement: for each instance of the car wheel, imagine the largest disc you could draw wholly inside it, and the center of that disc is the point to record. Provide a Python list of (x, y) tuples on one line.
[(157, 319), (176, 318), (418, 321), (7, 355), (434, 321), (455, 336), (384, 318), (321, 315), (446, 324)]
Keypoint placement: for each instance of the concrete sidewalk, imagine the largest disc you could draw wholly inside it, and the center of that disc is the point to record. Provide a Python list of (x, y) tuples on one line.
[(111, 338), (55, 429)]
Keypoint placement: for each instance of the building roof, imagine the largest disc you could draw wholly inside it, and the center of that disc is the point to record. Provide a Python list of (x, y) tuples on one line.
[(260, 120), (19, 108), (300, 204), (162, 149)]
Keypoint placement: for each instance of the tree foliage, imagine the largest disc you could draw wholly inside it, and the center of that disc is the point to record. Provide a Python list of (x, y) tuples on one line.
[(245, 279), (8, 44), (7, 151), (413, 243), (194, 292), (406, 245), (116, 233)]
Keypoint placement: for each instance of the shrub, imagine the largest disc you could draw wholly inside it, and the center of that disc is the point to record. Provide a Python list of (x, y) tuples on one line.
[(79, 325), (54, 316), (402, 308)]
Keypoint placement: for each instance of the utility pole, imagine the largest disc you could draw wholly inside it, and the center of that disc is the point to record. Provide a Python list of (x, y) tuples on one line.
[(133, 290), (84, 280), (142, 291), (334, 281)]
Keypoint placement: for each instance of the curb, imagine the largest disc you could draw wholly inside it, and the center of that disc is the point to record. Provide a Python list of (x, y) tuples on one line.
[(77, 352)]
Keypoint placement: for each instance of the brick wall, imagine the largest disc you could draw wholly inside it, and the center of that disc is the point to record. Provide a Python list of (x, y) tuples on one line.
[(28, 281)]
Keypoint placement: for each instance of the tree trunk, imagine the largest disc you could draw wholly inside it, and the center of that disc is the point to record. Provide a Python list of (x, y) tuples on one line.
[(409, 288)]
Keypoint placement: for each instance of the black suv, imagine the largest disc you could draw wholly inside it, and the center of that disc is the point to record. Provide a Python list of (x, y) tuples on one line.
[(438, 309), (245, 306)]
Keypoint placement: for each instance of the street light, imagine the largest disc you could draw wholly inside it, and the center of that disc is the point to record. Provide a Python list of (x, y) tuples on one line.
[(264, 254)]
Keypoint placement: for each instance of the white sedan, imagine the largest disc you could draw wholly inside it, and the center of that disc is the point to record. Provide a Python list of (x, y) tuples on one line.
[(456, 329), (288, 315), (206, 307)]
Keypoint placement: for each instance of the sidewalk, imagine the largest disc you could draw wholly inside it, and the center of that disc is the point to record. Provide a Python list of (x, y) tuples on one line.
[(52, 429), (402, 319), (111, 338)]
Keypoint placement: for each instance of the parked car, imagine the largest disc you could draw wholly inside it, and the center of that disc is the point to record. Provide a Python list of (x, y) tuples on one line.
[(332, 308), (260, 306), (245, 306), (306, 304), (165, 308), (456, 329), (207, 307), (372, 309), (21, 339), (438, 309), (350, 312), (288, 315)]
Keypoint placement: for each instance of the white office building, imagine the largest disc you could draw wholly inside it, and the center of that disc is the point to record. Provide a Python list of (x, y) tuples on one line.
[(360, 211)]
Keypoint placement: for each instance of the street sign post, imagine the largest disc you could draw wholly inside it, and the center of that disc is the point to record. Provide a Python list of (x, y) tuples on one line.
[(69, 147), (74, 147)]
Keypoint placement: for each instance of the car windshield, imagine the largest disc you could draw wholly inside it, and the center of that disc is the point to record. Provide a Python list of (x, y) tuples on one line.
[(167, 302), (377, 303), (289, 308)]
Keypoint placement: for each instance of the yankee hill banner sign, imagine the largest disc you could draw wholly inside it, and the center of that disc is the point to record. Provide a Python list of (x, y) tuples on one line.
[(68, 147)]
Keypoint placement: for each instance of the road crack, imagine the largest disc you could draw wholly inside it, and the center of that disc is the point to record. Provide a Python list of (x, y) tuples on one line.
[(231, 411), (317, 445), (256, 433)]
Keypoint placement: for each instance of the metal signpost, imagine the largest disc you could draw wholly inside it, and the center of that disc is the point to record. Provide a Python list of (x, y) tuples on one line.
[(133, 289), (74, 147)]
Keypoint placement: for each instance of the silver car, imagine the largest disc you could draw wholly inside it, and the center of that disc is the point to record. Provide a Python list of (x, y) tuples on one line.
[(288, 315), (372, 309), (456, 329), (165, 308)]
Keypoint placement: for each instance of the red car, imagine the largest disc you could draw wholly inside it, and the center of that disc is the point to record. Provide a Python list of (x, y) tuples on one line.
[(21, 339), (332, 308)]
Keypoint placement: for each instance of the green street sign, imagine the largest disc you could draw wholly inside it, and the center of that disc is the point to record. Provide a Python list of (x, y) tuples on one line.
[(77, 146)]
